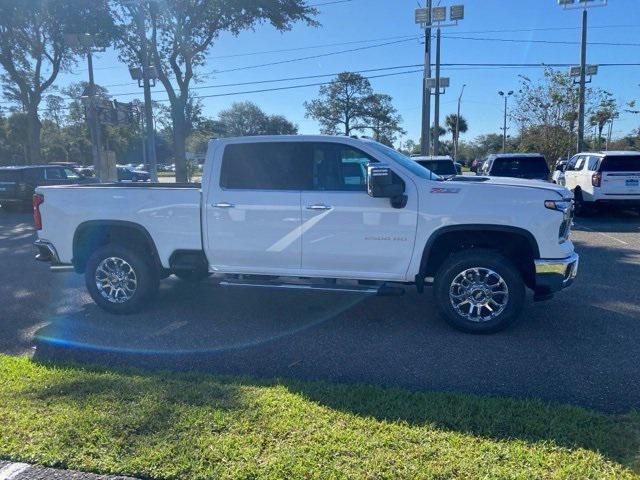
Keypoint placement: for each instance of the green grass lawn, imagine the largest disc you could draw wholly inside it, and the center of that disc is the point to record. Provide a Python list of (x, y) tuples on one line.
[(181, 425)]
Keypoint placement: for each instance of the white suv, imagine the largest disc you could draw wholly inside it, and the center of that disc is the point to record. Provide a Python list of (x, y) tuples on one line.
[(604, 178)]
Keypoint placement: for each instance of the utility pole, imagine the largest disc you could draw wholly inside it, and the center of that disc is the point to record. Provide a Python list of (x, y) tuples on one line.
[(426, 93), (583, 79), (144, 75), (504, 124), (457, 134), (94, 125), (582, 4), (87, 42), (436, 109)]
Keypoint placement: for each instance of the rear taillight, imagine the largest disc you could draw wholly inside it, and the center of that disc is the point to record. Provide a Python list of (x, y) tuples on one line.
[(37, 218), (596, 179)]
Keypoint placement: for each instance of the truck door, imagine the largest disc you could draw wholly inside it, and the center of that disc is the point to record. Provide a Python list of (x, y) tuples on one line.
[(252, 210), (347, 233)]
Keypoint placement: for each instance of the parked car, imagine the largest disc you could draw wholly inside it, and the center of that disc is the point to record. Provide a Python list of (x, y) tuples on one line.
[(86, 172), (18, 184), (73, 165), (532, 166), (292, 212), (604, 179), (131, 174), (558, 172), (440, 165)]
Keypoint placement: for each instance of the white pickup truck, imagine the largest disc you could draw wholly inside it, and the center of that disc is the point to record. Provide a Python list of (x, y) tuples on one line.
[(317, 213)]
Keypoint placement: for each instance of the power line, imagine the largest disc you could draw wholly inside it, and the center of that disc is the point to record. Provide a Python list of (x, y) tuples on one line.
[(451, 66), (550, 42), (336, 44), (408, 37), (333, 2), (311, 57)]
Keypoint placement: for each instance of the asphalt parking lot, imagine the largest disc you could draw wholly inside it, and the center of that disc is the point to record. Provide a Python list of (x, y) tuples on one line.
[(582, 347)]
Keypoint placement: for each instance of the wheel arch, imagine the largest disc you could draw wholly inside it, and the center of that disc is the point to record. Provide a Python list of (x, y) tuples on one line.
[(92, 234), (449, 239)]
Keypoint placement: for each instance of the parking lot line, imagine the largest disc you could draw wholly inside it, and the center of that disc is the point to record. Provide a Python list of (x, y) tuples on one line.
[(13, 470), (603, 234)]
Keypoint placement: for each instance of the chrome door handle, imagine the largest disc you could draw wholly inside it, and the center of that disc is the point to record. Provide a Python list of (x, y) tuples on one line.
[(318, 206), (223, 205)]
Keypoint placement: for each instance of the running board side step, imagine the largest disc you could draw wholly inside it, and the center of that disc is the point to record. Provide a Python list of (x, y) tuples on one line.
[(381, 290)]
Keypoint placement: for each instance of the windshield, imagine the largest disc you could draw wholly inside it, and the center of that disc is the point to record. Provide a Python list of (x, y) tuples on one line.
[(621, 164), (438, 166), (405, 161), (520, 167)]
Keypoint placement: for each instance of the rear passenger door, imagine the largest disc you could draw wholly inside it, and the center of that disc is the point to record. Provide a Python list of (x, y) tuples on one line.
[(347, 233), (570, 174), (252, 209)]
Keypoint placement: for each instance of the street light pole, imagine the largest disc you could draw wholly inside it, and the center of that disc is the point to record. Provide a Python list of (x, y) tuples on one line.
[(504, 124), (426, 94), (455, 143)]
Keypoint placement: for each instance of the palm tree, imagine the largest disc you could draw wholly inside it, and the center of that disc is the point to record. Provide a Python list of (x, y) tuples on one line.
[(450, 123)]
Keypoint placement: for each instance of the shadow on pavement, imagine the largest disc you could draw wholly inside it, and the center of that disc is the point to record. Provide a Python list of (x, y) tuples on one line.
[(580, 348)]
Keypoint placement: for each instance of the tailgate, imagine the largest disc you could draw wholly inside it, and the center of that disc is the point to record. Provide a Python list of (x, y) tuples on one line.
[(621, 175)]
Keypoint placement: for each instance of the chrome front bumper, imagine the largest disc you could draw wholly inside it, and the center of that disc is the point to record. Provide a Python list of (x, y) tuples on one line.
[(553, 275)]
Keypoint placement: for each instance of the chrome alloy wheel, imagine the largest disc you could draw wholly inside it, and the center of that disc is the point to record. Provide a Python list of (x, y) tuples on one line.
[(116, 280), (478, 294)]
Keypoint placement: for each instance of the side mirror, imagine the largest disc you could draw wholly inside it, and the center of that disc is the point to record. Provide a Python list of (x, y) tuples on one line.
[(381, 184)]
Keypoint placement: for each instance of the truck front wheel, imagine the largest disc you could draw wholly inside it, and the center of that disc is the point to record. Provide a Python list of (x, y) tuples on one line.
[(479, 291), (120, 280)]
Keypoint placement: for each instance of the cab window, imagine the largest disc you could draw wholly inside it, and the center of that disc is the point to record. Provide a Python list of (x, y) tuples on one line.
[(266, 166), (339, 167), (71, 174), (54, 174)]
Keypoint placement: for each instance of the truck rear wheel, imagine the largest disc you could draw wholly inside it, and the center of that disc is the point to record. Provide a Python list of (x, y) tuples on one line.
[(120, 280), (479, 291)]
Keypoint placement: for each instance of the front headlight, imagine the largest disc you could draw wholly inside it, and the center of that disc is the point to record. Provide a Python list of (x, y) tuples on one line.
[(565, 206)]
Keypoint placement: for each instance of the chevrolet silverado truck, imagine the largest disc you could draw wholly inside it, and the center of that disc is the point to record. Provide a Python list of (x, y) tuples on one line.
[(317, 213)]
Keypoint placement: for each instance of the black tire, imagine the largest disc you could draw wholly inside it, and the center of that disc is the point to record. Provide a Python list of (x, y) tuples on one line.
[(458, 263), (146, 275), (581, 208)]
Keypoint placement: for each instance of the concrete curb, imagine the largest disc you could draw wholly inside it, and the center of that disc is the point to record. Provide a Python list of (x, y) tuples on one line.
[(26, 471)]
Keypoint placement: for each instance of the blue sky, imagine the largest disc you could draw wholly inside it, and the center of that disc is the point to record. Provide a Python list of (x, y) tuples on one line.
[(383, 21)]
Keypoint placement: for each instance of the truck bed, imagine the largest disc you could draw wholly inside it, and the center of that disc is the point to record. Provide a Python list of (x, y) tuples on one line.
[(169, 212)]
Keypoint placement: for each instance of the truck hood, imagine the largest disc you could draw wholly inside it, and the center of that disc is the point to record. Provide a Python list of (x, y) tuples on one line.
[(514, 182)]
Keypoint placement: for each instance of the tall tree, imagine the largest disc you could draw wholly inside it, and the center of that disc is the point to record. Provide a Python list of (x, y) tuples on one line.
[(343, 104), (603, 112), (33, 51), (451, 122), (179, 33), (246, 118), (383, 118)]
